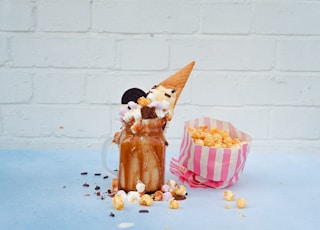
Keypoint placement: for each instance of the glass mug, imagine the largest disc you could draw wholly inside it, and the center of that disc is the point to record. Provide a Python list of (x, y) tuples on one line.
[(142, 155)]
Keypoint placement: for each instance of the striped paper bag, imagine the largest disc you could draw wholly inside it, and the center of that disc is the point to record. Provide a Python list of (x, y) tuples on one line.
[(202, 166)]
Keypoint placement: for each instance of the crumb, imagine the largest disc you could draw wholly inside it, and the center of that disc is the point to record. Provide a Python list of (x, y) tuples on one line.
[(143, 211)]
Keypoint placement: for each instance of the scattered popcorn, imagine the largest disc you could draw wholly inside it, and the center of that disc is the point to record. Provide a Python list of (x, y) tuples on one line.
[(133, 196), (241, 203), (157, 196), (169, 192), (117, 202), (228, 195), (213, 138), (174, 204), (123, 194), (181, 190), (172, 184), (146, 200)]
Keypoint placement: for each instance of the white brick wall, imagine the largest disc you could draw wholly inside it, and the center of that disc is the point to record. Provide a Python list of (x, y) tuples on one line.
[(65, 64)]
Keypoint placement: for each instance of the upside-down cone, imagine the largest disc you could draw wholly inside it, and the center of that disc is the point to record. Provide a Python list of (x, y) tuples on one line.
[(178, 80)]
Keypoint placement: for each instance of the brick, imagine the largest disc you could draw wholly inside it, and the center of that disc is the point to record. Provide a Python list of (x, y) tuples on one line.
[(50, 143), (60, 15), (145, 16), (295, 123), (59, 88), (298, 55), (226, 18), (218, 89), (286, 17), (15, 87), (224, 54), (3, 50), (63, 52), (17, 15), (143, 54), (58, 121), (283, 89), (108, 88)]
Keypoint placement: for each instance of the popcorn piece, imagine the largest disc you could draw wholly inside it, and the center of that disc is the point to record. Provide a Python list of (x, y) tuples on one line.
[(241, 203), (172, 184), (123, 194), (146, 200), (174, 204), (133, 196), (181, 190), (144, 101), (117, 202), (228, 195), (157, 196)]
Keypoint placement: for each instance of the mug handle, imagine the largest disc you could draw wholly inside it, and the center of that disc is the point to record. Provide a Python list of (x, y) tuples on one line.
[(107, 145)]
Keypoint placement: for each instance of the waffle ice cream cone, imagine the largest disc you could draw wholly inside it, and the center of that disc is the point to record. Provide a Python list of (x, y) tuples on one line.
[(178, 80), (171, 88)]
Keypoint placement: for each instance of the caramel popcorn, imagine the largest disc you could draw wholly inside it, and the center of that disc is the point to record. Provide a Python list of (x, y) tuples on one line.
[(157, 196), (181, 190), (241, 203), (174, 204), (117, 202), (146, 200), (144, 101), (213, 137), (228, 195)]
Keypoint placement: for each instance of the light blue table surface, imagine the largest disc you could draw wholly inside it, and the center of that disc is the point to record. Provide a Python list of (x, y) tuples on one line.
[(43, 190)]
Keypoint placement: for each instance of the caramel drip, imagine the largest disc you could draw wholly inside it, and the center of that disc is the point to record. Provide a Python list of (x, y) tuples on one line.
[(142, 156)]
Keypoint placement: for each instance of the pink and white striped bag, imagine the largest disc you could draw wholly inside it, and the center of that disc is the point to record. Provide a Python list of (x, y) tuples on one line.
[(202, 166)]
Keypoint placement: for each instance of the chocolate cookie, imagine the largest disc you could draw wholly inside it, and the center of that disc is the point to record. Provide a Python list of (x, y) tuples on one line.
[(132, 95)]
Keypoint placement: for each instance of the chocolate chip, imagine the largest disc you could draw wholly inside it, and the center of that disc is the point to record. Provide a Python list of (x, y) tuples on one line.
[(97, 174), (97, 187), (84, 173), (112, 214), (154, 87), (167, 95), (143, 211), (85, 185), (105, 177), (173, 91), (132, 95)]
